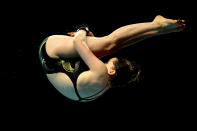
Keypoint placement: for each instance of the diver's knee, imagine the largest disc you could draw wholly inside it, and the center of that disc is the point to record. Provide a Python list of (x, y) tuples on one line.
[(111, 38)]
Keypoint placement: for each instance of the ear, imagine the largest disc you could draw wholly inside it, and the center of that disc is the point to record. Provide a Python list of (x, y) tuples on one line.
[(111, 72)]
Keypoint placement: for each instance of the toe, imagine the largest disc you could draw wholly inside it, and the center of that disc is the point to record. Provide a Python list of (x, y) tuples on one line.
[(181, 21)]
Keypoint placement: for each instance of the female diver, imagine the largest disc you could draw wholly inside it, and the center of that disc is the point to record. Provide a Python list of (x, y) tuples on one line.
[(72, 63)]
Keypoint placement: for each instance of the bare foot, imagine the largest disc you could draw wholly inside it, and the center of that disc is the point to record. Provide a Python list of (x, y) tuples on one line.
[(169, 25)]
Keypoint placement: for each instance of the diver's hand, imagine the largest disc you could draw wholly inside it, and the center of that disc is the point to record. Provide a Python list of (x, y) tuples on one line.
[(80, 35), (72, 34), (90, 34)]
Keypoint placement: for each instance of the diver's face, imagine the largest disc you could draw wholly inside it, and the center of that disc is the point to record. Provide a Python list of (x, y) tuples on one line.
[(110, 65)]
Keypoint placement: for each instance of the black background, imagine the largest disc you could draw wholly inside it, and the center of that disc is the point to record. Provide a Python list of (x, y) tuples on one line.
[(165, 94)]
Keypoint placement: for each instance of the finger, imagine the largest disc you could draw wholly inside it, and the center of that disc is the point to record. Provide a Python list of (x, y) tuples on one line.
[(181, 21), (72, 34), (90, 34)]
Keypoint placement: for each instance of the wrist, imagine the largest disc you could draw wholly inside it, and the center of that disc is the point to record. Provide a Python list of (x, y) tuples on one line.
[(86, 29)]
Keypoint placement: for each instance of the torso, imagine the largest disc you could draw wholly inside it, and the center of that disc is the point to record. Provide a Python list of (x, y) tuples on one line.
[(65, 86), (61, 81)]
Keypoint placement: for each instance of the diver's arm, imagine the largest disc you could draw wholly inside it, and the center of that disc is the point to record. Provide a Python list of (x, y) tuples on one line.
[(86, 54)]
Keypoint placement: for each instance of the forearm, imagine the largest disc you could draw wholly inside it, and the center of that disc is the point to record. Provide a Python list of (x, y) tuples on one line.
[(85, 53)]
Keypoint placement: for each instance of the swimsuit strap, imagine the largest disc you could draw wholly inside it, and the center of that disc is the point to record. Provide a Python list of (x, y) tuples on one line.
[(89, 97)]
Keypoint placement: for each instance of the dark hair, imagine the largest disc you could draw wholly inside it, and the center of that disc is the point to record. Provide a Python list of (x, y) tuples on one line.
[(127, 73)]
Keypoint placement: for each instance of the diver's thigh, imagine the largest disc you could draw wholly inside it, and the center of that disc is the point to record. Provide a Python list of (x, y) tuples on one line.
[(62, 46)]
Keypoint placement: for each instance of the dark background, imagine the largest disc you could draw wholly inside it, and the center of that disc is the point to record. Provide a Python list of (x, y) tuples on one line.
[(165, 90)]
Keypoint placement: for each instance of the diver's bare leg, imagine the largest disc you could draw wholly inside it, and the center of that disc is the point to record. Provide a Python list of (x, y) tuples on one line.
[(130, 34), (120, 38)]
